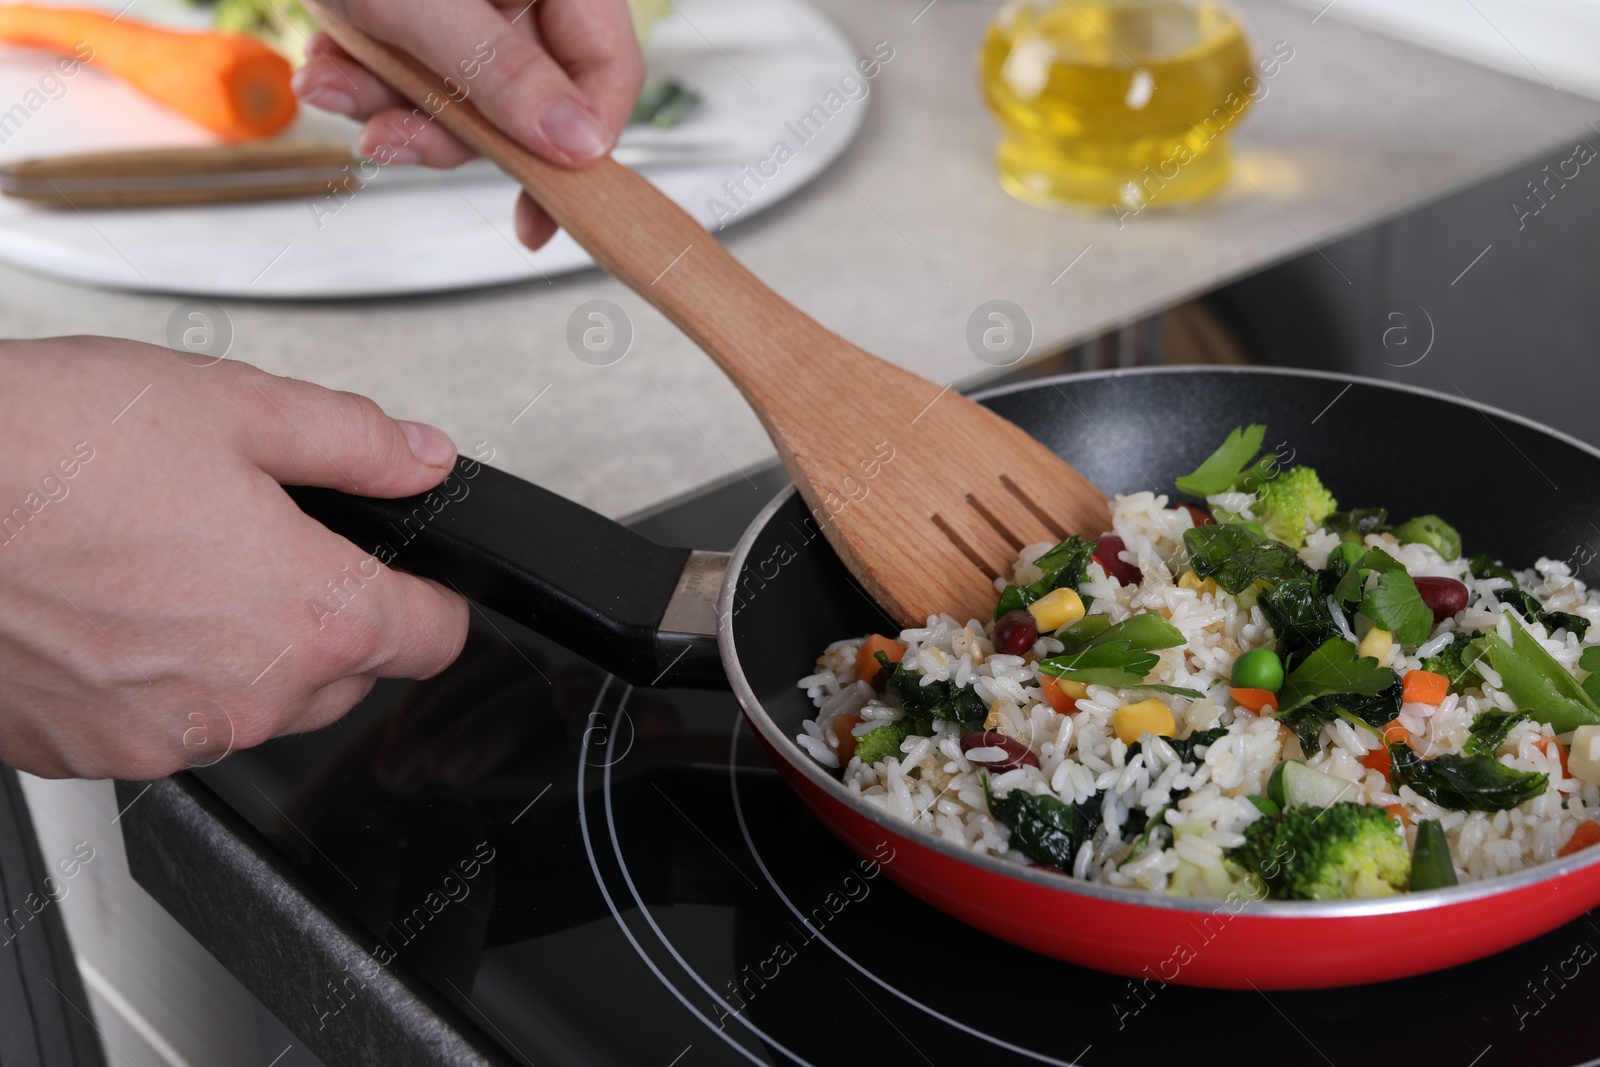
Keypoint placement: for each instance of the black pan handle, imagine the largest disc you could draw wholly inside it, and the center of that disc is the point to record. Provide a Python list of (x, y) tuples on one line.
[(643, 611)]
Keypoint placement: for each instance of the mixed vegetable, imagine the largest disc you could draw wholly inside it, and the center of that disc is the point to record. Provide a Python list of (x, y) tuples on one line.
[(1334, 629)]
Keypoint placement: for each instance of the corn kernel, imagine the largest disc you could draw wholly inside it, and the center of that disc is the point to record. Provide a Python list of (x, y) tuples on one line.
[(1191, 580), (1376, 644), (1075, 690), (1057, 608), (1133, 721)]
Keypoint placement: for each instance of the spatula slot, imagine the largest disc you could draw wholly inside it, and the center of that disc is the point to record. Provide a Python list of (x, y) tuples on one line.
[(965, 549), (1028, 502)]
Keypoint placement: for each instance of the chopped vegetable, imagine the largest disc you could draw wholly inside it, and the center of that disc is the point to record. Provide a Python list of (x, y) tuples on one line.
[(1238, 557), (1289, 503), (1133, 721), (1057, 608), (1425, 687), (1528, 606), (1117, 663), (1303, 785), (1585, 835), (1443, 596), (1062, 694), (1377, 760), (1225, 468), (1108, 553), (1355, 524), (944, 700), (1362, 710), (1186, 747), (985, 743), (1553, 750), (1537, 683), (1191, 580), (662, 103), (1455, 660), (1259, 668), (1431, 865), (1432, 531), (1044, 828), (875, 746), (1590, 661), (1485, 567), (1147, 630), (1583, 757), (235, 86), (869, 666), (1343, 851), (1015, 632), (1302, 617), (1255, 700), (1333, 669), (1489, 730), (1376, 645), (842, 725), (1464, 783)]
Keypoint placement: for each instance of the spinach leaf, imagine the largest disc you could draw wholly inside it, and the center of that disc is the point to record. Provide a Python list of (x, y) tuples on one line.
[(1044, 828), (1489, 730), (1333, 670), (1395, 605), (1538, 684), (1463, 783), (1355, 524), (1185, 748), (1226, 466), (1455, 660), (1364, 711), (938, 700), (1236, 556), (1528, 606), (1484, 567), (1300, 617), (1116, 663), (1064, 566)]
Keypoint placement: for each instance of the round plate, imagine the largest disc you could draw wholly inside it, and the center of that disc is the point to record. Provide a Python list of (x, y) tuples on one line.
[(757, 65)]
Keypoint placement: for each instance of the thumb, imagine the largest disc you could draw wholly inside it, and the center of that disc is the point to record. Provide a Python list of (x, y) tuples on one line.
[(303, 434)]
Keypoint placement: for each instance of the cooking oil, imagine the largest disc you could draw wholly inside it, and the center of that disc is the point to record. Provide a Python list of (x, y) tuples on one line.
[(1123, 103)]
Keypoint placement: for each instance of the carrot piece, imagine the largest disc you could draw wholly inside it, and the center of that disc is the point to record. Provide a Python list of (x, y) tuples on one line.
[(1548, 744), (1254, 699), (1587, 833), (867, 665), (1395, 730), (235, 86), (1424, 687), (842, 725), (1378, 760), (1399, 812), (1060, 701)]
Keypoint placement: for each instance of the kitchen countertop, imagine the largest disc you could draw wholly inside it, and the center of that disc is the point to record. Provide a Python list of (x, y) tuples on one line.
[(893, 248)]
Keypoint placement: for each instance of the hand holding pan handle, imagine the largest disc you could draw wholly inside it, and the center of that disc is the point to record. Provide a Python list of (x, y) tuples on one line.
[(643, 611)]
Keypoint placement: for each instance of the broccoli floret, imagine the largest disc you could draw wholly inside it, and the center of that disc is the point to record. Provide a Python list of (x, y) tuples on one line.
[(875, 746), (1334, 853), (1285, 503)]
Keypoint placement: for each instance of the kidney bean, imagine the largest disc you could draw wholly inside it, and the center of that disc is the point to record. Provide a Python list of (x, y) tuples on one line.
[(1444, 596), (1017, 754), (1199, 515), (1106, 554), (1015, 632)]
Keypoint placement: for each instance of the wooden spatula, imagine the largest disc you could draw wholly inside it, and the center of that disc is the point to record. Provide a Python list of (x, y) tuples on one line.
[(925, 495)]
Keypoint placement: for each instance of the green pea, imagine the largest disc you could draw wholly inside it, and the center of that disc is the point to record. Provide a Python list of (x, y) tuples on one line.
[(1432, 531), (1260, 668)]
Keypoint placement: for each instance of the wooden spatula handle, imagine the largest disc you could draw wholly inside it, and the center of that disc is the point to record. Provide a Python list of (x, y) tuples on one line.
[(633, 231)]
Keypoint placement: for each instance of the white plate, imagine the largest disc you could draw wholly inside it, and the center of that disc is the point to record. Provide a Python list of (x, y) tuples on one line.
[(758, 66)]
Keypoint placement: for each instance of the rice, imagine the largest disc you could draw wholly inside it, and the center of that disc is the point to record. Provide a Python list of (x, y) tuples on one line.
[(1190, 812)]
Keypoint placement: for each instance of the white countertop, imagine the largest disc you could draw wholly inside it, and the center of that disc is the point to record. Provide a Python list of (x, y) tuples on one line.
[(893, 248)]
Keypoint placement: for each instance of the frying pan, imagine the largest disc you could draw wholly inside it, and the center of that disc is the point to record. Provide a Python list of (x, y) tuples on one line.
[(756, 621)]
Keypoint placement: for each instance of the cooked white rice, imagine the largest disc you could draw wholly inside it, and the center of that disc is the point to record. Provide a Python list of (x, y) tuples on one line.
[(933, 785)]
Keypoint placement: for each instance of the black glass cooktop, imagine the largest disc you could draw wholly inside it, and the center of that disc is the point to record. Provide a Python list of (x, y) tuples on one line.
[(600, 874)]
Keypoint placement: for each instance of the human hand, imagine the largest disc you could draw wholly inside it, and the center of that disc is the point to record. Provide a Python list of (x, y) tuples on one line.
[(155, 579), (560, 76)]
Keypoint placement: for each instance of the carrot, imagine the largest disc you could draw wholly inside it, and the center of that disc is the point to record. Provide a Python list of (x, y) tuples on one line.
[(235, 86), (1424, 687), (842, 725), (1551, 747), (867, 665), (1399, 812), (1056, 695), (1394, 730), (1377, 760), (1587, 833), (1254, 699)]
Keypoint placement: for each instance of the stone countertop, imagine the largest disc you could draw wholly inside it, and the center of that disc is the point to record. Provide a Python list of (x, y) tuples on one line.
[(893, 248)]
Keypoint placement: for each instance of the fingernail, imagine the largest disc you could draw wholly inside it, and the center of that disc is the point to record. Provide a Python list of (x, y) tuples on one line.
[(428, 443), (323, 97), (573, 129)]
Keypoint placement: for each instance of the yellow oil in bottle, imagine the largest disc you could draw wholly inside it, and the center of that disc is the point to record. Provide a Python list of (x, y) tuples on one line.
[(1125, 104)]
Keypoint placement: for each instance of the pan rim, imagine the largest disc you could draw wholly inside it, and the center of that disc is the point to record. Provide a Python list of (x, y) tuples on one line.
[(1048, 878)]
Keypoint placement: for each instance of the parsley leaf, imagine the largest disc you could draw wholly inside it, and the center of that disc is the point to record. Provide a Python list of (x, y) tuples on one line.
[(1115, 663), (1237, 557), (1226, 466), (1395, 605), (1333, 669)]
